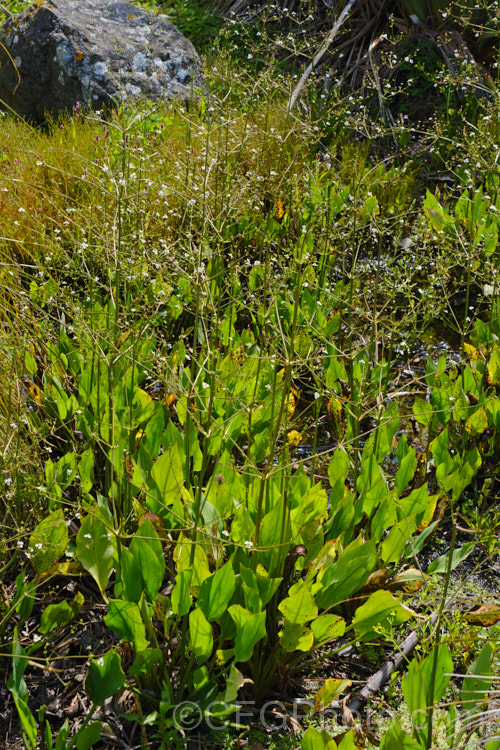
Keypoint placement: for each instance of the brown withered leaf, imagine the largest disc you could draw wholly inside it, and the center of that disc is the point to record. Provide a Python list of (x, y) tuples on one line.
[(376, 580), (409, 581), (485, 615)]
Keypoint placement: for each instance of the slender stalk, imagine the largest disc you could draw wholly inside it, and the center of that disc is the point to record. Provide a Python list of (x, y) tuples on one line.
[(442, 603)]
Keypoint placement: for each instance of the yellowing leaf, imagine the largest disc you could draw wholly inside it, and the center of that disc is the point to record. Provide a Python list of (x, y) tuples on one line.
[(170, 399), (200, 569), (471, 352), (494, 367), (429, 513), (329, 692), (294, 439), (477, 423), (336, 418), (279, 210), (435, 218), (64, 569), (35, 392)]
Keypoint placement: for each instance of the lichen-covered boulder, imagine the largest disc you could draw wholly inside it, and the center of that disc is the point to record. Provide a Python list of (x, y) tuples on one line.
[(95, 52)]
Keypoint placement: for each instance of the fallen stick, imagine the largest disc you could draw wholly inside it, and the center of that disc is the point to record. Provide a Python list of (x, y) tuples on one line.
[(329, 39), (382, 676)]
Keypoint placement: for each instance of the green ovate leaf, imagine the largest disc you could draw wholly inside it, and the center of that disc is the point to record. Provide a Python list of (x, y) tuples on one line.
[(130, 585), (201, 639), (86, 470), (16, 683), (296, 638), (28, 723), (62, 735), (313, 739), (145, 662), (88, 736), (105, 678), (48, 541), (124, 618), (199, 568), (58, 615), (379, 614), (327, 628), (168, 475), (397, 739), (216, 592), (181, 598), (440, 565), (406, 471), (425, 684), (347, 574), (300, 607), (17, 686), (148, 555), (248, 634), (349, 741), (478, 683), (96, 548)]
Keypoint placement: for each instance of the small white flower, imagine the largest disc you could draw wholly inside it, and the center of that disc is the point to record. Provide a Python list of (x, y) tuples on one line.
[(248, 544)]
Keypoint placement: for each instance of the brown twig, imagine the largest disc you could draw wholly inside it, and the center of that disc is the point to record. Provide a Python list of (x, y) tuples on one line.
[(379, 679), (317, 59)]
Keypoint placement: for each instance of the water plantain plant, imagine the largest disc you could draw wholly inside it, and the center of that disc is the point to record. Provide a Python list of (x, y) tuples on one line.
[(204, 381), (221, 560)]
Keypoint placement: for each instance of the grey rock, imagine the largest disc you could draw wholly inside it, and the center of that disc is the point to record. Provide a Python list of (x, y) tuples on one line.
[(97, 53)]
